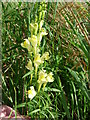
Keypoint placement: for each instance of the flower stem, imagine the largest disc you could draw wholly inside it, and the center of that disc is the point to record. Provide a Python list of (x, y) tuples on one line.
[(36, 68), (31, 79), (44, 86), (39, 87)]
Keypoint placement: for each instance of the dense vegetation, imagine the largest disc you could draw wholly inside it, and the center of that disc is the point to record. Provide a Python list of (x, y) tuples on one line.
[(67, 42)]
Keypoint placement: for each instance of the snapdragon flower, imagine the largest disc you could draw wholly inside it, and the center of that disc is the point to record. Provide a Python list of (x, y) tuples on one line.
[(40, 35), (33, 40), (31, 93), (42, 78), (45, 56), (50, 77), (37, 60), (29, 65), (26, 44)]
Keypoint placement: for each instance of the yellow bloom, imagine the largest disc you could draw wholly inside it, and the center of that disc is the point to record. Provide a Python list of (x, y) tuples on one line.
[(42, 77), (29, 65), (31, 93), (40, 35), (33, 40), (26, 44), (37, 50), (50, 77), (45, 56), (37, 60)]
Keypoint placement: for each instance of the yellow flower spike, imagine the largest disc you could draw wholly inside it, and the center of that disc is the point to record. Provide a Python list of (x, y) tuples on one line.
[(50, 77), (31, 93), (26, 44), (45, 56), (29, 65)]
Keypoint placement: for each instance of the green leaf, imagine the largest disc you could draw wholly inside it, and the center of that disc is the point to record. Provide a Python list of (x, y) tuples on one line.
[(27, 74), (52, 89), (35, 111)]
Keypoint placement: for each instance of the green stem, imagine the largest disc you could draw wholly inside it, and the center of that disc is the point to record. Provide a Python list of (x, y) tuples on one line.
[(39, 87), (35, 51), (39, 107), (31, 79), (15, 104), (44, 86), (36, 68)]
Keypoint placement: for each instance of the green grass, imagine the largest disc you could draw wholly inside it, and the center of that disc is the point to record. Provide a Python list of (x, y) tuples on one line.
[(68, 97)]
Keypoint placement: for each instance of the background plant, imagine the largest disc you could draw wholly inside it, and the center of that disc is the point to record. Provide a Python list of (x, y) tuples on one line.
[(68, 43)]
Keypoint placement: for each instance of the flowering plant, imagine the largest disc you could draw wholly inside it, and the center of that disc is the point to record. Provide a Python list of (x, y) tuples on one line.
[(32, 44)]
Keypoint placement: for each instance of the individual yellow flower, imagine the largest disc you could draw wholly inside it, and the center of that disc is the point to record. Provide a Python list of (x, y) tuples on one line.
[(45, 56), (42, 77), (33, 40), (50, 77), (37, 50), (40, 35), (37, 60), (26, 44), (29, 65), (31, 93)]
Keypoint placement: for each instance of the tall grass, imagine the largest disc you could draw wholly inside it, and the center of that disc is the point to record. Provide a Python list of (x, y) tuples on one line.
[(67, 41)]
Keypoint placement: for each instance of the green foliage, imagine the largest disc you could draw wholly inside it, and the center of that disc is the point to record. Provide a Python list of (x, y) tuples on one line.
[(68, 44)]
